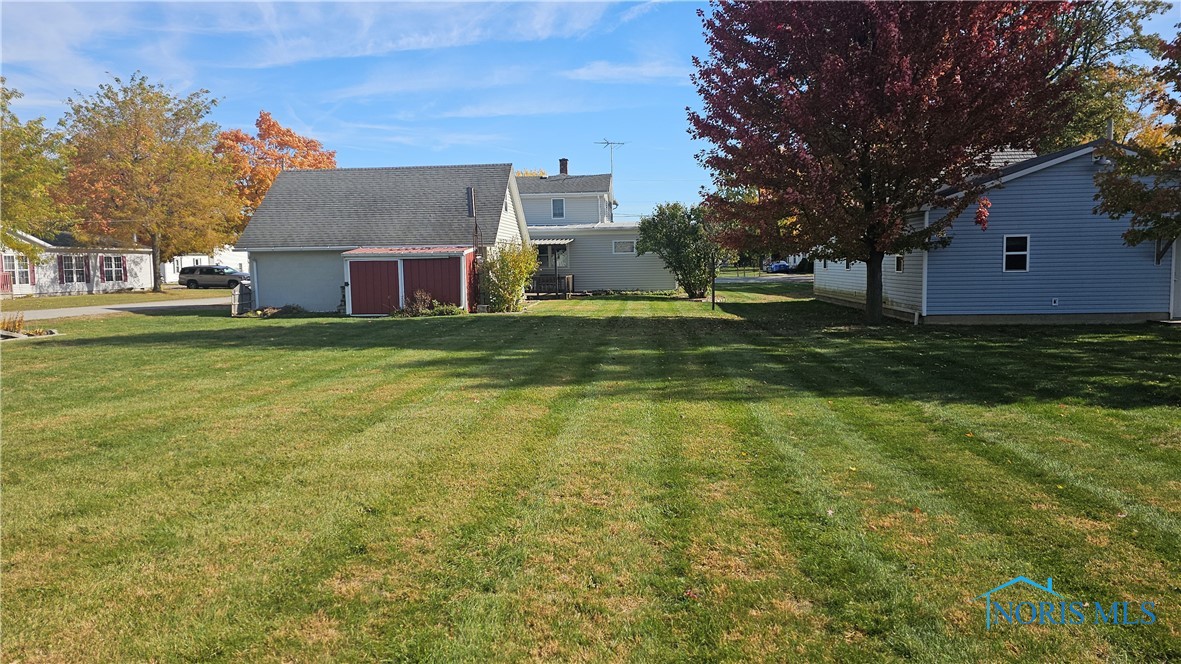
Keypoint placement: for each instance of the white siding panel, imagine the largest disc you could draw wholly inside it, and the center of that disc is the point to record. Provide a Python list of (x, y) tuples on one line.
[(596, 267), (508, 230), (139, 274), (311, 279), (900, 290)]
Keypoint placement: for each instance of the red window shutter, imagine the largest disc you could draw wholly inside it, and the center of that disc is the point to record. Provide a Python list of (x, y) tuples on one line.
[(86, 266), (32, 272), (102, 274), (124, 268)]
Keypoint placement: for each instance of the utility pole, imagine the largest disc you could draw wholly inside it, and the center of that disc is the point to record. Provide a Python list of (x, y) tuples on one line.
[(611, 145)]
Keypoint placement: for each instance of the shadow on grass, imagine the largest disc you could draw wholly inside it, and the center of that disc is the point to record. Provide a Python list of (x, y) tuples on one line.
[(791, 343)]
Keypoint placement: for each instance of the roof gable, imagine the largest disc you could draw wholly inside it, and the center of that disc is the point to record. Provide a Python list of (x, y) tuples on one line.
[(356, 207)]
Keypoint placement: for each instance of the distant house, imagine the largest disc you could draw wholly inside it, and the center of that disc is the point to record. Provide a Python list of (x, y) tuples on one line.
[(67, 267), (571, 220), (228, 256), (365, 239), (1045, 257)]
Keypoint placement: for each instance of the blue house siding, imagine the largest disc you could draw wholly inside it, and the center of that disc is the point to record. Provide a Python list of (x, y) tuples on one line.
[(1074, 256)]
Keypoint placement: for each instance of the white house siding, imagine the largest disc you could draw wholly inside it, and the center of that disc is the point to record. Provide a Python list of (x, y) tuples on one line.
[(139, 273), (596, 267), (228, 256), (580, 209), (901, 291), (310, 279), (509, 230), (1075, 256)]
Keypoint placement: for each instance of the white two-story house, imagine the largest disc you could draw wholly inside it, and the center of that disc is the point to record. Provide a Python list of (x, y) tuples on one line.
[(571, 220)]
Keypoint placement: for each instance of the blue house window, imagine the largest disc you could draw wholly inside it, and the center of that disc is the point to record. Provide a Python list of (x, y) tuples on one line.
[(1016, 258), (559, 207)]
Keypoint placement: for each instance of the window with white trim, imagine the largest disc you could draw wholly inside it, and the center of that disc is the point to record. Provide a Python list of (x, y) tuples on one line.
[(848, 264), (899, 263), (112, 268), (558, 207), (547, 253), (623, 247), (1016, 254), (17, 269), (74, 268)]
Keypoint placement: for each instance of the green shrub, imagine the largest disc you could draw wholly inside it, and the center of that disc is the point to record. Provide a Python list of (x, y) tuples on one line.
[(505, 273), (678, 236)]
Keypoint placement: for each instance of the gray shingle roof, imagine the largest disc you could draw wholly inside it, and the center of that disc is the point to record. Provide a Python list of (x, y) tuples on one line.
[(421, 205), (564, 184)]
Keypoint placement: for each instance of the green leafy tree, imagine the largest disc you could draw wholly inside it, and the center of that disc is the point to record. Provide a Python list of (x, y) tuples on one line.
[(143, 169), (679, 236), (31, 169), (1145, 187), (1106, 85), (505, 273)]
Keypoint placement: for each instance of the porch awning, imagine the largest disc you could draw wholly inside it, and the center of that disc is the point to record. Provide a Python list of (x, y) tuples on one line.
[(545, 241)]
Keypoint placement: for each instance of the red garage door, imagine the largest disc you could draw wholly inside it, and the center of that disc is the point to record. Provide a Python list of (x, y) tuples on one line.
[(441, 277), (373, 287)]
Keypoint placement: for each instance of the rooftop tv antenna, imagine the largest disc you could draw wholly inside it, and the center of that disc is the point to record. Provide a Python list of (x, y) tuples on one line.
[(611, 145)]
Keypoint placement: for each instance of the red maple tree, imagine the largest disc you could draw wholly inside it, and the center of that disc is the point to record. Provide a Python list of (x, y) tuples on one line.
[(839, 120), (257, 160)]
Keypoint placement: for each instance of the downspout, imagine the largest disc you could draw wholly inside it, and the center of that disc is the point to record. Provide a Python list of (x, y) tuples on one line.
[(926, 252)]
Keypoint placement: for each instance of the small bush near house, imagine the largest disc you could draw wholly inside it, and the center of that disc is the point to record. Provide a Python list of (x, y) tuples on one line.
[(421, 304), (444, 309), (505, 273)]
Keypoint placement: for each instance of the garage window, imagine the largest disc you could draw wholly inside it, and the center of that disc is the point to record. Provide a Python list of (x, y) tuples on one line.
[(623, 247)]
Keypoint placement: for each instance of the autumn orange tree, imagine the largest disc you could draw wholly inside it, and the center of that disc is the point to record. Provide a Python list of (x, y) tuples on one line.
[(142, 170), (257, 160)]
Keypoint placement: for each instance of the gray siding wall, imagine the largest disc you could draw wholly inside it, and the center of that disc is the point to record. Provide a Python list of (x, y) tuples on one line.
[(311, 279), (580, 209), (596, 267), (1075, 256)]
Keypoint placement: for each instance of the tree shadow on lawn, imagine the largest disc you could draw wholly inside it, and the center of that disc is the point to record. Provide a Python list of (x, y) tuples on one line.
[(788, 344)]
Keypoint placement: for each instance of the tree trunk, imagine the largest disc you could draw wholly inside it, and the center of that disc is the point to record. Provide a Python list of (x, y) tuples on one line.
[(156, 286), (873, 287)]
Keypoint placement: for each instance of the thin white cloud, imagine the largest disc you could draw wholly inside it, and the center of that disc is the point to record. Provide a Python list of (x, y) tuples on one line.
[(318, 32), (390, 81), (637, 72), (515, 106), (637, 10), (366, 135)]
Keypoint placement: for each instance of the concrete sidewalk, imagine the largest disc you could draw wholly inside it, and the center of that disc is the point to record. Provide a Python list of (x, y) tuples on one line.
[(768, 279), (70, 312)]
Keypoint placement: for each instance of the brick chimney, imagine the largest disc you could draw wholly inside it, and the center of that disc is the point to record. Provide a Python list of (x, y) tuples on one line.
[(564, 166)]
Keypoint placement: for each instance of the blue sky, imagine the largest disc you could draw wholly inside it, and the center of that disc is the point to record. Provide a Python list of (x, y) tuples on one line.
[(394, 85), (404, 84)]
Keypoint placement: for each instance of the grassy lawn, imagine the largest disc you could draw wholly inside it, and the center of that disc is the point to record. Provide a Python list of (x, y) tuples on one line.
[(103, 299), (621, 478)]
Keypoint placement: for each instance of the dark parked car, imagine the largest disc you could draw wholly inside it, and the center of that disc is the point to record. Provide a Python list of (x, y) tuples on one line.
[(206, 276)]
